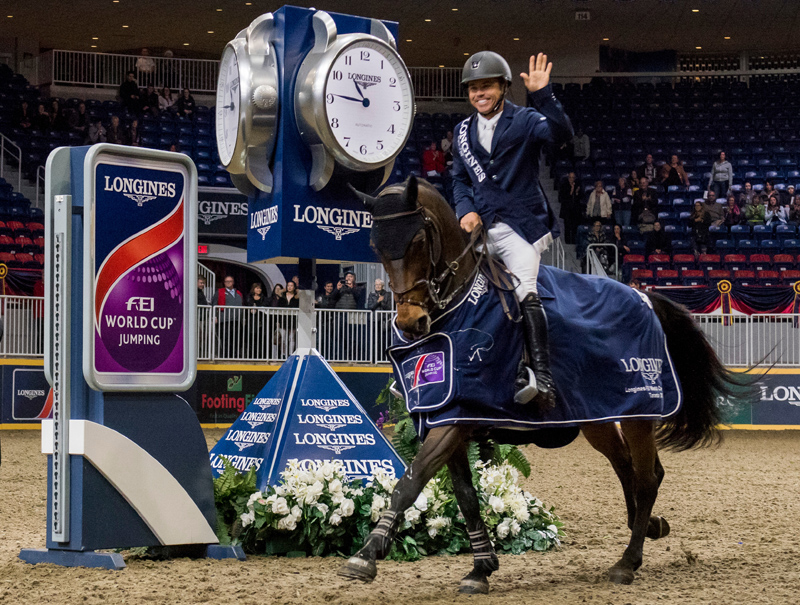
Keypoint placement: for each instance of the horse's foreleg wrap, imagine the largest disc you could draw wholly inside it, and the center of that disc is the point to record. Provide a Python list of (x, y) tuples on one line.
[(485, 559), (382, 536)]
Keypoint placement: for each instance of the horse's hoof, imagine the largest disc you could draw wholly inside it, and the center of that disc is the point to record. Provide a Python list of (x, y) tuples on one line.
[(473, 587), (657, 528), (620, 575), (359, 569)]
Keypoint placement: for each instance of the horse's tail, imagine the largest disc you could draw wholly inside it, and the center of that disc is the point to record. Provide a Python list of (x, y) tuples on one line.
[(704, 381)]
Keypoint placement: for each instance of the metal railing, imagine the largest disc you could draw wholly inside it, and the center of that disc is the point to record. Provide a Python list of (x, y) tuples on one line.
[(360, 337), (40, 185), (595, 264), (12, 150), (555, 255), (101, 70), (437, 83)]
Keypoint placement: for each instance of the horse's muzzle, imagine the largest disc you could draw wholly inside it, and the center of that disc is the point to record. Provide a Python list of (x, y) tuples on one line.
[(414, 327)]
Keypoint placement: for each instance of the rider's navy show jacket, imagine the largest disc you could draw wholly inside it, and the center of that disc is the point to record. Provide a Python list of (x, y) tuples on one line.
[(504, 186)]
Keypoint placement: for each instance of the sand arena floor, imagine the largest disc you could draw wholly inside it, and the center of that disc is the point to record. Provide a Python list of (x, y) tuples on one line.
[(734, 513)]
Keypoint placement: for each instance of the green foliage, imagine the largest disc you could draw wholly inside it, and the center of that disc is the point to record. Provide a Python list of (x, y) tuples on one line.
[(231, 489), (395, 406)]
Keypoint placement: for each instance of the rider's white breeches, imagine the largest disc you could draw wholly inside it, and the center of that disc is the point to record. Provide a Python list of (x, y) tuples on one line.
[(521, 258)]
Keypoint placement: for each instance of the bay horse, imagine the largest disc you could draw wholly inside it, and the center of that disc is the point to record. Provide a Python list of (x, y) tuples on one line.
[(431, 262)]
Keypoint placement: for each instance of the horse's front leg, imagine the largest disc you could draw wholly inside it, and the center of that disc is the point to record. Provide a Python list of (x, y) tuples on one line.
[(435, 452), (484, 558), (640, 437)]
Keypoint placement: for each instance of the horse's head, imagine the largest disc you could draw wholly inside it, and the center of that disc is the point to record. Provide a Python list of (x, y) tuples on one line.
[(416, 235)]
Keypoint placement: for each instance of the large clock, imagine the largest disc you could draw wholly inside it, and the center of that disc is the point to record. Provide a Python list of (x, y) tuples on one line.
[(354, 101), (247, 106)]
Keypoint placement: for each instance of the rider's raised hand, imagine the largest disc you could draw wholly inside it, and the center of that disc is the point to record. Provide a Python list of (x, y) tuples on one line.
[(538, 75)]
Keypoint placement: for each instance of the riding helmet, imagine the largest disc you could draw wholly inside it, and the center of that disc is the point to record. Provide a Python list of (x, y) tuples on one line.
[(485, 64)]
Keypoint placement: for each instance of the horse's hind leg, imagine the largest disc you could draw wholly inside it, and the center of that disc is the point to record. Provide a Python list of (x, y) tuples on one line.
[(484, 558), (609, 441), (640, 437), (435, 452)]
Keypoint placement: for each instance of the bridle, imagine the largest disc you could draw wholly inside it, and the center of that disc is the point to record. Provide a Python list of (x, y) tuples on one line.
[(437, 282)]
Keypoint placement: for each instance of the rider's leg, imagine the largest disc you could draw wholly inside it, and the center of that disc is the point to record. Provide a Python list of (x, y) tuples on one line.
[(523, 259)]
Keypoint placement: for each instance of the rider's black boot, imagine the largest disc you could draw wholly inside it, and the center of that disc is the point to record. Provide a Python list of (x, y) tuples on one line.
[(538, 383)]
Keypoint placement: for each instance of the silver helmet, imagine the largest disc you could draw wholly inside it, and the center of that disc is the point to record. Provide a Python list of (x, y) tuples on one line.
[(485, 64)]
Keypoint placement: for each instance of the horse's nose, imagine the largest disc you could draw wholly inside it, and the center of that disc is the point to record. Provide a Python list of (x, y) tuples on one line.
[(423, 325)]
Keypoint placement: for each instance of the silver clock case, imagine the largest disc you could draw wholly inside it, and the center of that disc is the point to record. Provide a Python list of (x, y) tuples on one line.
[(309, 96), (258, 106)]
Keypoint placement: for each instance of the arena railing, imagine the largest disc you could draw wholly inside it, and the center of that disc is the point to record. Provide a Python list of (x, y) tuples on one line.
[(10, 151), (101, 70), (360, 337)]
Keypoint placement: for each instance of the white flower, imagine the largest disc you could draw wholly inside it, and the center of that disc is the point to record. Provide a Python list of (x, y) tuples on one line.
[(421, 503), (553, 529), (314, 491), (335, 519), (296, 512), (413, 515), (504, 528), (439, 522), (248, 518), (515, 528), (335, 486), (280, 506), (378, 504), (253, 497), (323, 508), (347, 507), (327, 470), (432, 531), (288, 523), (497, 504)]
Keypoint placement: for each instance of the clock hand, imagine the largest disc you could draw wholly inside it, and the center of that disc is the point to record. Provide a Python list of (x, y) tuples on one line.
[(364, 102), (358, 88)]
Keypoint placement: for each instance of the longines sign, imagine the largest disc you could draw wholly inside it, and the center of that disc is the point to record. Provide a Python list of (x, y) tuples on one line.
[(221, 213)]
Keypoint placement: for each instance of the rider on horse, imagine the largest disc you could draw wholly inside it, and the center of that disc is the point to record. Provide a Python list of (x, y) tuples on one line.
[(496, 184)]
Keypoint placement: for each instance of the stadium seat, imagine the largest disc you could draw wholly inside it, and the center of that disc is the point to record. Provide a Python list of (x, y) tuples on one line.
[(791, 246), (784, 232), (734, 262), (771, 246), (693, 277), (784, 262), (709, 262), (644, 276), (769, 278), (725, 246), (760, 262), (745, 277), (668, 277), (718, 275), (761, 232), (790, 277), (683, 262), (746, 246), (741, 232), (658, 262)]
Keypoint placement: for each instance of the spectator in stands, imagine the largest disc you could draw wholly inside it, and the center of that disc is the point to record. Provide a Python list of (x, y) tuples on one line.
[(327, 300), (598, 204), (755, 212), (115, 133), (174, 148), (58, 117), (571, 211), (775, 214), (24, 118), (721, 179), (618, 239), (277, 294), (672, 173), (79, 120), (769, 187), (97, 132), (597, 235), (794, 211), (146, 66), (166, 100), (644, 197), (133, 136), (42, 121), (658, 242), (150, 101), (186, 104), (746, 197), (348, 292), (228, 319), (633, 180), (648, 169), (714, 209), (622, 202), (432, 160), (380, 299), (581, 147), (700, 221), (646, 220), (129, 93), (256, 298), (787, 195), (256, 321), (290, 298), (732, 213), (446, 146), (202, 301)]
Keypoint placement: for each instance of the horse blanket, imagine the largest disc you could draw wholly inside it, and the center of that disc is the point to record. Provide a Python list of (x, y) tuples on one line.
[(607, 349)]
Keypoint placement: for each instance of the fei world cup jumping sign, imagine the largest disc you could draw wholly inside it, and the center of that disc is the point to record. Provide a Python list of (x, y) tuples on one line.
[(139, 319)]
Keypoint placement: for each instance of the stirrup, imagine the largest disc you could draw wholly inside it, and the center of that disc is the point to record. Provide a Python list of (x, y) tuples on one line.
[(529, 391)]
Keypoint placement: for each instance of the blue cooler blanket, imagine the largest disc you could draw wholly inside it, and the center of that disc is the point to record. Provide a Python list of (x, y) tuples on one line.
[(608, 357)]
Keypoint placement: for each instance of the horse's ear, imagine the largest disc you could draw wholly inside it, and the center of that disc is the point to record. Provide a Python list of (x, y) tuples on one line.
[(411, 191), (369, 201)]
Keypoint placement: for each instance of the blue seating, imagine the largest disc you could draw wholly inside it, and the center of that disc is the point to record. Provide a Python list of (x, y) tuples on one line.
[(740, 232), (791, 246), (747, 246), (725, 246), (784, 232), (681, 245), (771, 246)]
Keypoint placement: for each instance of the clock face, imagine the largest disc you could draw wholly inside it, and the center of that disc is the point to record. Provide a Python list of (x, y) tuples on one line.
[(228, 108), (369, 102)]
